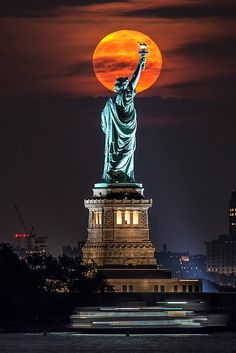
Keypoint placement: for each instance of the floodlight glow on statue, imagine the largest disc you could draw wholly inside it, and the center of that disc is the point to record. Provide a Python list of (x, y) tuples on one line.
[(119, 125)]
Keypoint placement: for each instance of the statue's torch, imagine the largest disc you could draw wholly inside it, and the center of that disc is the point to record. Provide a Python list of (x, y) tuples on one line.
[(143, 52)]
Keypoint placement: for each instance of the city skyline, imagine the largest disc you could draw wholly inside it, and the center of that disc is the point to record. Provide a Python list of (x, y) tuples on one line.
[(185, 154)]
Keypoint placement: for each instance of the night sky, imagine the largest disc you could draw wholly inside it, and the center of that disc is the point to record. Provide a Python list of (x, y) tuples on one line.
[(51, 143)]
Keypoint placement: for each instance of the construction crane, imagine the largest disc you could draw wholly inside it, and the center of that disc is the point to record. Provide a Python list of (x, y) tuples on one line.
[(21, 219), (29, 240), (25, 239), (32, 231)]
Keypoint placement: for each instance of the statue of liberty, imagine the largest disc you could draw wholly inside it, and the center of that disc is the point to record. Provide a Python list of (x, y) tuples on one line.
[(119, 125)]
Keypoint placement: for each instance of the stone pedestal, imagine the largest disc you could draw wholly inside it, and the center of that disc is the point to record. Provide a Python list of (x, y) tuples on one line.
[(118, 227), (119, 243)]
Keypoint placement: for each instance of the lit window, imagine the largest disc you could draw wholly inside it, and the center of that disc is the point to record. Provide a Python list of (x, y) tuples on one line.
[(135, 217), (118, 217), (127, 217), (98, 217)]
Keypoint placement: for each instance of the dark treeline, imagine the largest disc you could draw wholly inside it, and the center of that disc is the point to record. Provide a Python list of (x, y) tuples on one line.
[(44, 283)]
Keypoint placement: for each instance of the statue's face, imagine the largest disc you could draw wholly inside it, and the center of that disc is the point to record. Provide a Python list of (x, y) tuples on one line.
[(121, 84)]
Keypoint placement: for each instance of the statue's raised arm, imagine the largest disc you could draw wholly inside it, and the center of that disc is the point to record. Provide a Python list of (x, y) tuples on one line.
[(136, 75), (119, 125)]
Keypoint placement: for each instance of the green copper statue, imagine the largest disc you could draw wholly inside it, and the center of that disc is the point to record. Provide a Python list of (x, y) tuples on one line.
[(119, 125)]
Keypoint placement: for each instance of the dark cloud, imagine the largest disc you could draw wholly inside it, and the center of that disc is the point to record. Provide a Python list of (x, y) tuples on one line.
[(224, 9), (42, 8), (217, 87), (86, 68), (108, 64), (223, 47), (82, 68), (187, 112)]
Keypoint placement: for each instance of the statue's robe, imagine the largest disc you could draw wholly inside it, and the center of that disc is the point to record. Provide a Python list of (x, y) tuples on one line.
[(119, 125)]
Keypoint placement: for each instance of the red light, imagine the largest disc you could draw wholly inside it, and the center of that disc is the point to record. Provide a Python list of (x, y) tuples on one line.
[(21, 235)]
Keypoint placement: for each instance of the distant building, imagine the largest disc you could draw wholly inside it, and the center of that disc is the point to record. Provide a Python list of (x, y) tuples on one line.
[(182, 264), (27, 244), (21, 244), (232, 212), (197, 265), (67, 250), (221, 255), (221, 252), (38, 245), (221, 260)]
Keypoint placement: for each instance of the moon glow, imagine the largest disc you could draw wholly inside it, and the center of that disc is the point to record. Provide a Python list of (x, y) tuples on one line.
[(116, 55)]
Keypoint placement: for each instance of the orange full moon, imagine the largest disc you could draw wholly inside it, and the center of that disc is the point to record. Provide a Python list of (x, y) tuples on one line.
[(116, 55)]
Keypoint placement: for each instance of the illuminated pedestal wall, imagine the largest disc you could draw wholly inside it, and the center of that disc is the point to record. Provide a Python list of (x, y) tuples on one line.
[(119, 244)]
